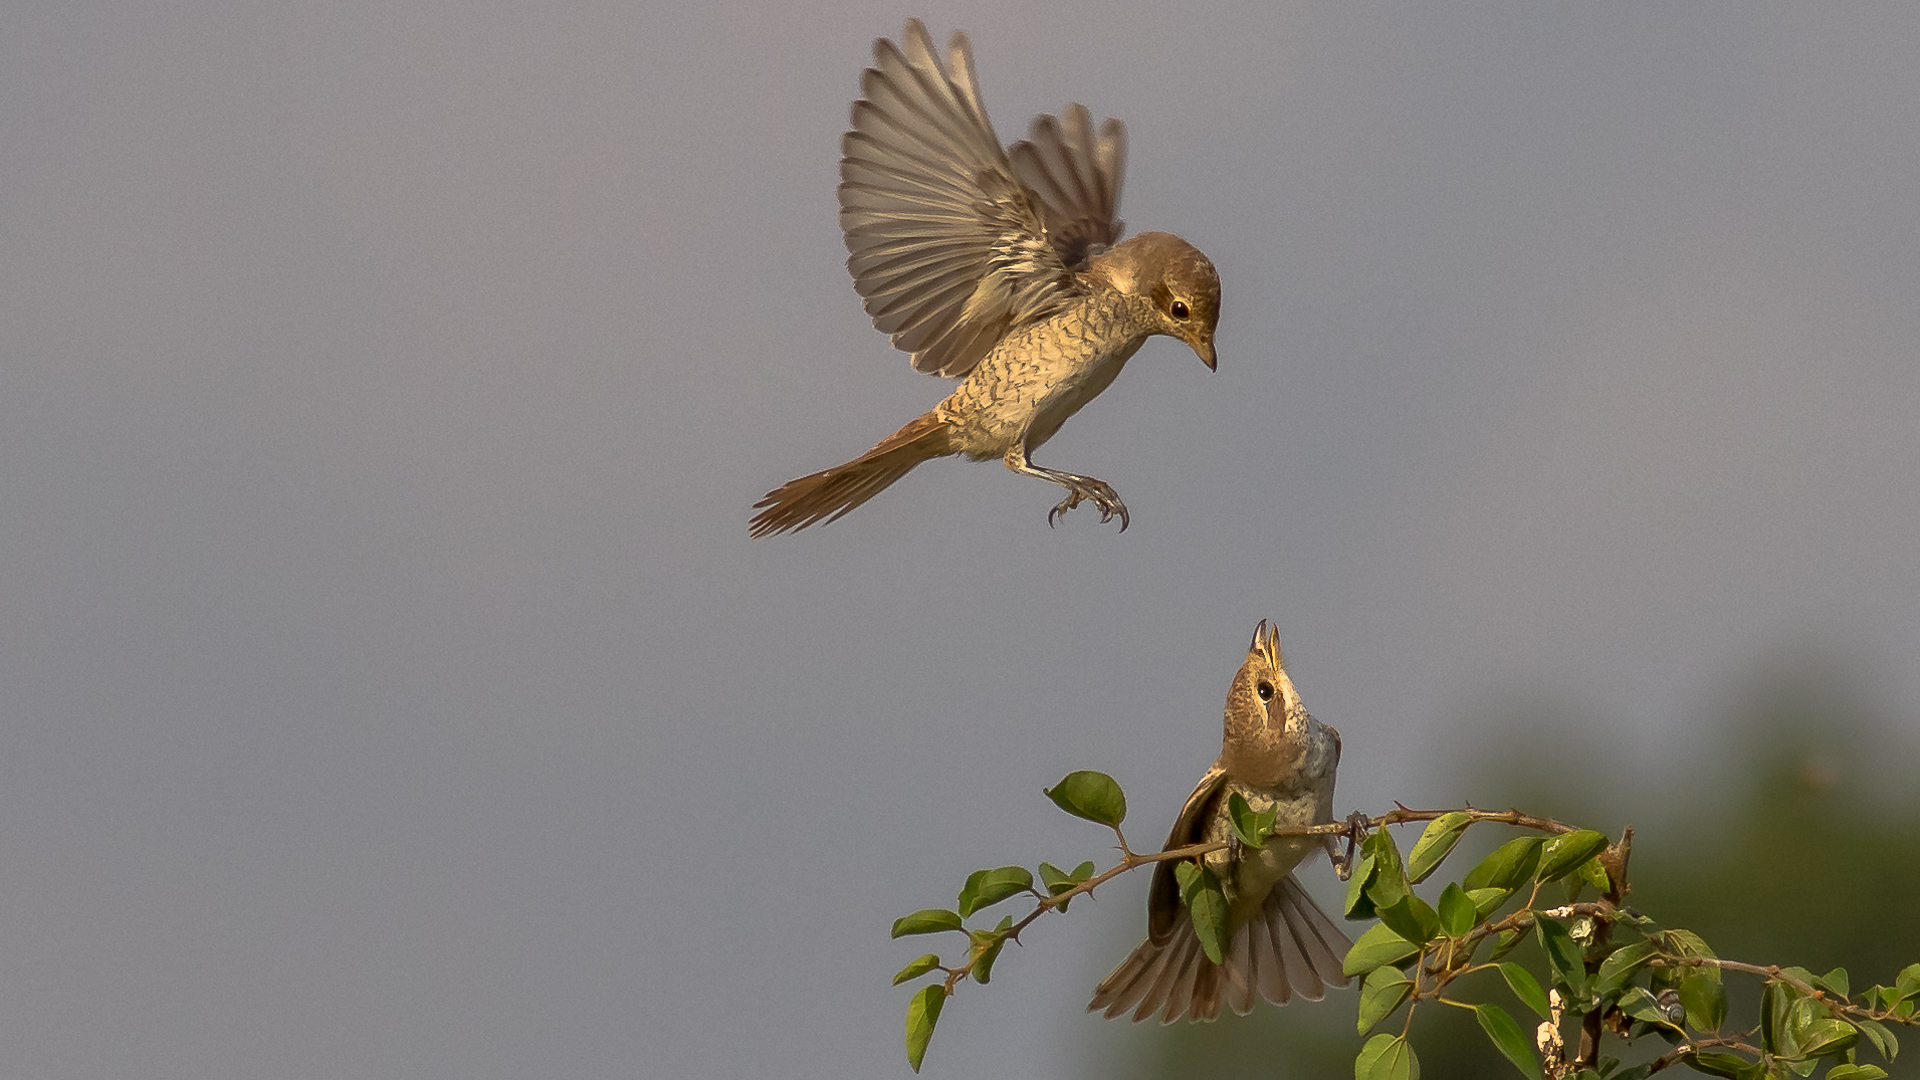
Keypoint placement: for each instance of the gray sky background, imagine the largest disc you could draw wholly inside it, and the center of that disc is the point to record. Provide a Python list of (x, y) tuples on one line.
[(390, 687)]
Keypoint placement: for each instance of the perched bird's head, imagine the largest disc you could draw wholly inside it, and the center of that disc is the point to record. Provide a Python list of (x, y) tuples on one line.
[(1266, 726), (1175, 278)]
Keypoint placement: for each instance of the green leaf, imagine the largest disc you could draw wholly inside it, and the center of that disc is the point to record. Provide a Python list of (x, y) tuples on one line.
[(1370, 1054), (1592, 873), (1505, 941), (1435, 844), (1386, 1057), (1566, 852), (1510, 866), (986, 888), (1688, 943), (1715, 1063), (1378, 946), (926, 921), (1206, 905), (1620, 965), (1799, 1021), (1389, 883), (1457, 912), (1833, 982), (1507, 1038), (1824, 1037), (1775, 1000), (1382, 993), (923, 1011), (1056, 883), (1705, 1000), (1412, 918), (1908, 981), (1856, 1072), (986, 949), (1091, 795), (1055, 879), (1564, 954), (1253, 828), (1882, 1039), (1359, 905), (1487, 901), (1639, 1004), (917, 968), (1526, 988)]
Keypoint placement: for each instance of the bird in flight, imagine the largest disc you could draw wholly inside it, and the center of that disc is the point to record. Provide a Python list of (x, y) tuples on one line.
[(1278, 942), (1001, 267)]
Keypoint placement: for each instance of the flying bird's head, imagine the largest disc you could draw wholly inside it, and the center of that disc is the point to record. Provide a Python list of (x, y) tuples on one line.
[(1179, 282)]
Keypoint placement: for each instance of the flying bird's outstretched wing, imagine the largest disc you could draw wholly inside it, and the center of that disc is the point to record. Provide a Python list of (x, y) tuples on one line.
[(951, 242)]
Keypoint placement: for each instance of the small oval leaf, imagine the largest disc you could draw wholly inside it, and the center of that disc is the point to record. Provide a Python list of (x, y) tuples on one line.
[(1457, 911), (1091, 795), (1564, 954), (986, 888), (1358, 905), (1389, 883), (1508, 867), (1705, 1000), (1252, 828), (923, 1012), (1567, 852), (1620, 965), (1412, 918), (1378, 946), (1394, 1061), (1207, 906), (1526, 988), (1382, 993), (1435, 844), (1370, 1054), (917, 968), (1507, 1038), (926, 921)]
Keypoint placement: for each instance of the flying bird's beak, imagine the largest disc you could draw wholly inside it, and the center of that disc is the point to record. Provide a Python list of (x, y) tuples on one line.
[(1203, 348)]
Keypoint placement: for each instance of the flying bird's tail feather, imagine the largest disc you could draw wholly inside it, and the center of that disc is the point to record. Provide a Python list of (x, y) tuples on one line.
[(826, 495), (1290, 948)]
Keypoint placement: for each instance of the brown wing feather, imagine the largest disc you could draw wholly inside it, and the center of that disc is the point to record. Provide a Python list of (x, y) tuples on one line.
[(945, 243), (1077, 176)]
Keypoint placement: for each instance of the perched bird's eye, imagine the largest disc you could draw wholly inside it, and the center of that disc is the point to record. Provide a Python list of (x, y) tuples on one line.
[(1266, 690), (1179, 309)]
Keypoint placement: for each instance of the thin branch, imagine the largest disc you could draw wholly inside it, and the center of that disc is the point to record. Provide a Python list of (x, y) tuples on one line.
[(1685, 1050)]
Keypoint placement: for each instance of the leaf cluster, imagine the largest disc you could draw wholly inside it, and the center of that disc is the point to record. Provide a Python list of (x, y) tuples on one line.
[(1604, 975), (1608, 971)]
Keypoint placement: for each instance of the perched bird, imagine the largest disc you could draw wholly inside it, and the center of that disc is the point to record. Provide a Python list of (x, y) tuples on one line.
[(1280, 944), (999, 266)]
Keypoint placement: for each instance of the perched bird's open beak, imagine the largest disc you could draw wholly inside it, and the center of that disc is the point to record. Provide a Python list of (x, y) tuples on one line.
[(1203, 347)]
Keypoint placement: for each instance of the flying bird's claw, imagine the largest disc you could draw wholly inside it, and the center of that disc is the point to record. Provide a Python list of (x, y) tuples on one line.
[(1099, 493)]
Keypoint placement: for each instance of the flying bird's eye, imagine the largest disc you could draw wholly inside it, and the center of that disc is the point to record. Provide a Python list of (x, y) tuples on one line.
[(1266, 690), (1179, 309)]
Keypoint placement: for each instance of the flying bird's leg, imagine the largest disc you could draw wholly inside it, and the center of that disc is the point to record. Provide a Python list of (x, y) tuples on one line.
[(1079, 488)]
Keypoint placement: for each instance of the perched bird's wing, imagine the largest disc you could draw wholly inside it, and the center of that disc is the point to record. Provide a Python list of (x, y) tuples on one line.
[(1164, 913), (1288, 949), (1077, 176), (947, 245)]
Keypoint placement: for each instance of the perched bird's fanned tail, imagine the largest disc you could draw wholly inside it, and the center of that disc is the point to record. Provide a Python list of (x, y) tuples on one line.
[(826, 495), (1289, 948)]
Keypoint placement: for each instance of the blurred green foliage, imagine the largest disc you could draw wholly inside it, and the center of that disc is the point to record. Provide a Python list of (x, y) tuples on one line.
[(1786, 837)]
